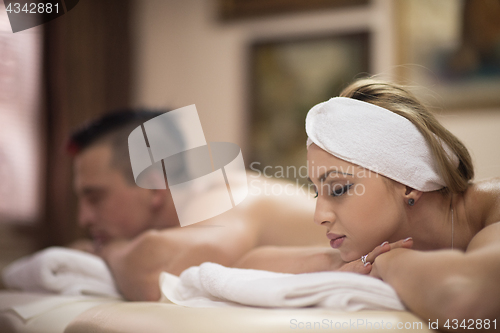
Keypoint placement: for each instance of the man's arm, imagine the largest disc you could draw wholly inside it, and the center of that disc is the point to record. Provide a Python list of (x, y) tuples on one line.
[(448, 284), (136, 264)]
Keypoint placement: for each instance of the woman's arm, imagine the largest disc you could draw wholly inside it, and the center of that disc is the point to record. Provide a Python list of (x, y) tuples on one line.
[(291, 259), (448, 285), (310, 259)]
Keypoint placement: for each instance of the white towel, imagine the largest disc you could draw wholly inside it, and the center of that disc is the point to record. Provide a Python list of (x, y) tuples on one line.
[(61, 271), (213, 285), (376, 139)]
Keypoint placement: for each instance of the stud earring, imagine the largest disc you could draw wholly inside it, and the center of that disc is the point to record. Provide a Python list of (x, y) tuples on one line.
[(411, 202)]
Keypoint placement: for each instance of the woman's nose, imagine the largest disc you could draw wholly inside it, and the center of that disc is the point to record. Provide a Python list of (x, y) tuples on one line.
[(323, 215)]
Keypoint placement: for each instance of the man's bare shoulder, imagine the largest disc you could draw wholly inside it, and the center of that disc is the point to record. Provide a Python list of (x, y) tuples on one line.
[(285, 210), (275, 212), (228, 231)]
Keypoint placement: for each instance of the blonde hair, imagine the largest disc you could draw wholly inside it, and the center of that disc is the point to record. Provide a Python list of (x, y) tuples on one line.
[(400, 101)]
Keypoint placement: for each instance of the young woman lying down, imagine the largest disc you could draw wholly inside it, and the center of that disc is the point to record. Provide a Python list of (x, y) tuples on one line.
[(397, 201)]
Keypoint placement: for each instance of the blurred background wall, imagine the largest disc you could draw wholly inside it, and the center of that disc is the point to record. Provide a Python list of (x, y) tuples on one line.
[(185, 54), (80, 68), (106, 54)]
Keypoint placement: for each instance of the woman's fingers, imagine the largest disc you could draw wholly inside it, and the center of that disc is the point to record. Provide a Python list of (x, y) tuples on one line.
[(356, 267), (386, 246), (403, 243), (382, 248)]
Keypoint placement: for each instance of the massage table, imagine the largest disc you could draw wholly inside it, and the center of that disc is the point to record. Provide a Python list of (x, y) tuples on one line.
[(57, 283), (79, 314), (42, 313)]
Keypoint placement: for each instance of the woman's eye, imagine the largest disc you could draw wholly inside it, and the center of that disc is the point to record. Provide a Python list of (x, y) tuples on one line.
[(339, 190)]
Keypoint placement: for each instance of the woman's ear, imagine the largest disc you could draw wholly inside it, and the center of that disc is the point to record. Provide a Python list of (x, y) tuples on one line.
[(411, 195)]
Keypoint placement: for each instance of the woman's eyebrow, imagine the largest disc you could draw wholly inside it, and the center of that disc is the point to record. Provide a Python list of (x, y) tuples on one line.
[(323, 177)]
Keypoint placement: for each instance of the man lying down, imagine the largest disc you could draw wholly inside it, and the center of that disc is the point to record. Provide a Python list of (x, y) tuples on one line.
[(137, 231)]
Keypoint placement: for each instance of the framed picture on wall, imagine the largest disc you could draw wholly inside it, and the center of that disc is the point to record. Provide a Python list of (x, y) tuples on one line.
[(288, 77), (242, 9), (450, 50)]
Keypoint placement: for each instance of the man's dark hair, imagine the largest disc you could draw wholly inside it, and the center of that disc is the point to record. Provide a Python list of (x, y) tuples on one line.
[(114, 128)]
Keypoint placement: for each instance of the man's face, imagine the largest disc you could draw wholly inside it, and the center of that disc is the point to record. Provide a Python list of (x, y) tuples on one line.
[(109, 207)]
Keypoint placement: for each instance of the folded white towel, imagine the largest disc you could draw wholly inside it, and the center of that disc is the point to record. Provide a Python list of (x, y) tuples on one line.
[(212, 285), (376, 139), (62, 271)]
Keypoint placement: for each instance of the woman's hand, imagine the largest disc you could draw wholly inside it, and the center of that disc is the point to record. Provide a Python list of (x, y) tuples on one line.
[(357, 266)]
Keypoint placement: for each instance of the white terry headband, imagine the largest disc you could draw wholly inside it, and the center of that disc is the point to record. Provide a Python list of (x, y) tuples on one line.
[(376, 139)]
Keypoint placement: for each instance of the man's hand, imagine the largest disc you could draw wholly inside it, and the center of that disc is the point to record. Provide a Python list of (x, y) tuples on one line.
[(85, 245)]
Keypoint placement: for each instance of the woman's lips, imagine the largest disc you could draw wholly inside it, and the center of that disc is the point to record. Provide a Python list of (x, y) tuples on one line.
[(335, 240)]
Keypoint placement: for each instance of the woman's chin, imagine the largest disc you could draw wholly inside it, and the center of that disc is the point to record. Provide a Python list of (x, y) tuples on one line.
[(348, 256)]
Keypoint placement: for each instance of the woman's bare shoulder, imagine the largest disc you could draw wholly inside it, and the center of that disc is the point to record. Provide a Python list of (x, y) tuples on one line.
[(484, 195)]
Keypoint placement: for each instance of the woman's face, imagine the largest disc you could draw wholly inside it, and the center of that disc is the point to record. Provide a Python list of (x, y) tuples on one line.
[(358, 207)]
